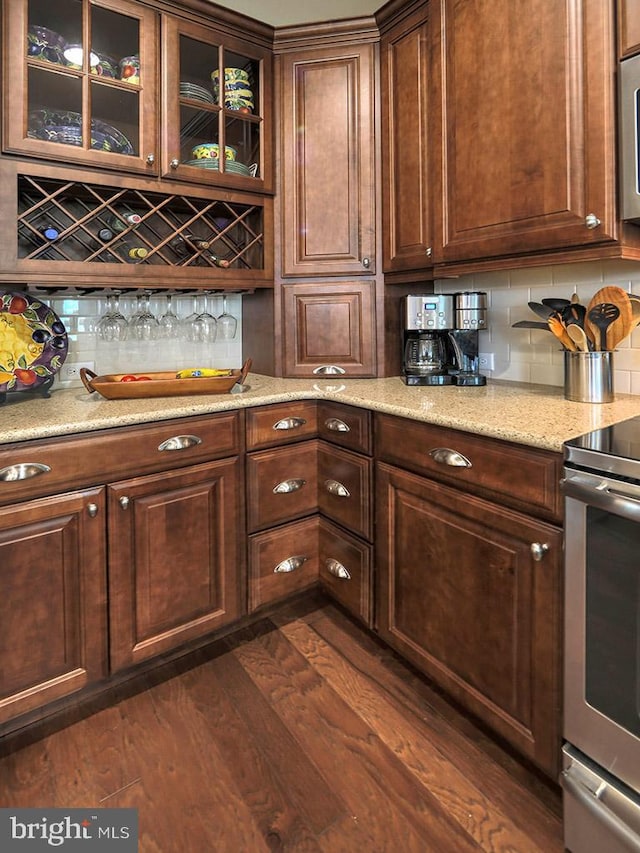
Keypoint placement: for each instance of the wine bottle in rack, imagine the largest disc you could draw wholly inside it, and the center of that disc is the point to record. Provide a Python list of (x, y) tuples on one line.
[(123, 221), (132, 252)]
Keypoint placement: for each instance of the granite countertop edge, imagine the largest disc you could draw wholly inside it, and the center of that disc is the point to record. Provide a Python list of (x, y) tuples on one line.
[(533, 415)]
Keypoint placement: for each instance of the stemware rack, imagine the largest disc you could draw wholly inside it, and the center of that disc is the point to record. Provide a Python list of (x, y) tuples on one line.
[(188, 238)]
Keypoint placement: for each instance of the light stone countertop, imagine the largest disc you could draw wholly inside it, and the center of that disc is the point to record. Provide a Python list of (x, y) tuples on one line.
[(534, 415)]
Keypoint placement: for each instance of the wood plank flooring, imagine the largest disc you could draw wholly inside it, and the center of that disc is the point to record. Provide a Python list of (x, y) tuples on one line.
[(301, 733)]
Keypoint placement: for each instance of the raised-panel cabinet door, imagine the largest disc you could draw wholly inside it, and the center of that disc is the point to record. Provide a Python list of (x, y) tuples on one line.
[(328, 178), (53, 635), (463, 596), (527, 127), (406, 165), (329, 328), (176, 570)]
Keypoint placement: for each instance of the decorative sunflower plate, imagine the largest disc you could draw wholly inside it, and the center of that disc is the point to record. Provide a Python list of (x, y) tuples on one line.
[(33, 343)]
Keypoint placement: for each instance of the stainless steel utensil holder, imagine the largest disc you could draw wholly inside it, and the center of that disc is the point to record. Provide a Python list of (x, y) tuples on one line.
[(588, 377)]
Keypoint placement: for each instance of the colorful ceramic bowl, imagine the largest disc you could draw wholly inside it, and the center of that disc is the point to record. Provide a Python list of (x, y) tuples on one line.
[(46, 44), (237, 91), (211, 151), (130, 69)]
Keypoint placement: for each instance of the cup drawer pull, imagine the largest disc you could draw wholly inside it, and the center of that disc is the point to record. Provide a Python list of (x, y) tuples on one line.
[(180, 442), (336, 425), (289, 423), (290, 564), (329, 370), (287, 486), (337, 570), (446, 456), (336, 488), (22, 471)]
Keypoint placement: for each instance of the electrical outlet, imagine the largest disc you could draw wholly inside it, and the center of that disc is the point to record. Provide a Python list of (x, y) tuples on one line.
[(486, 360), (70, 371)]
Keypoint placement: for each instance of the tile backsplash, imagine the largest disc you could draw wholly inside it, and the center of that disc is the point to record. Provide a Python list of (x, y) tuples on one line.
[(81, 315), (535, 356)]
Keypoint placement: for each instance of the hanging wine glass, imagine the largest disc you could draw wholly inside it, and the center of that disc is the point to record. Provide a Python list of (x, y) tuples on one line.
[(170, 323), (113, 325), (227, 323), (144, 325), (207, 324)]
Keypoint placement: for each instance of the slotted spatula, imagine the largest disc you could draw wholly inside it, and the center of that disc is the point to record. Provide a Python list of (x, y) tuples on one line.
[(599, 318), (622, 325)]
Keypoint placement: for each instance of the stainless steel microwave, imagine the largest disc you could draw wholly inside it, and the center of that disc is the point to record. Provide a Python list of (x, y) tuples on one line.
[(629, 127)]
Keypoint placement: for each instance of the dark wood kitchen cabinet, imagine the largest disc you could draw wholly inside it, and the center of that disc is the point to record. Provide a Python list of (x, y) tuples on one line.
[(328, 160), (53, 607), (628, 16), (407, 168), (526, 119), (329, 328), (469, 589)]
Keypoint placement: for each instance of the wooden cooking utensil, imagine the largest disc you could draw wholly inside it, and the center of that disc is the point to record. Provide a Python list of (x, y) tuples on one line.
[(623, 324), (578, 336), (559, 330), (599, 318)]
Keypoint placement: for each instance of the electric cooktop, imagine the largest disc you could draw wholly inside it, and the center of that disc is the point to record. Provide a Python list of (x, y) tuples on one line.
[(613, 450)]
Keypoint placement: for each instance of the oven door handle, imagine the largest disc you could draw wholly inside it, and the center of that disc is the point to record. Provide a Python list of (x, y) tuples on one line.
[(604, 813), (602, 497)]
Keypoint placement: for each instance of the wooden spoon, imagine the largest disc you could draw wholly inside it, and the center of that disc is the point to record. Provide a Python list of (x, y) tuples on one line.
[(578, 336), (623, 324), (560, 331)]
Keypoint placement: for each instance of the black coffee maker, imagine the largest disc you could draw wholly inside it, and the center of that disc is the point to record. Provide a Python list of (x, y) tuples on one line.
[(440, 336)]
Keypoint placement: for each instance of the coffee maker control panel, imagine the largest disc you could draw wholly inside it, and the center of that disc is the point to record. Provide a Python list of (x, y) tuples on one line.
[(432, 311)]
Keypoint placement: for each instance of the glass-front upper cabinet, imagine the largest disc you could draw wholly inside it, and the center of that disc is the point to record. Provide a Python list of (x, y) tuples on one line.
[(80, 80), (217, 124)]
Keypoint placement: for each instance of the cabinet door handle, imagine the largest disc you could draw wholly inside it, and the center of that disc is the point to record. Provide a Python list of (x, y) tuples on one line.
[(591, 221), (124, 502), (174, 163), (336, 488), (92, 510), (287, 486), (336, 425), (289, 423), (328, 369), (22, 471), (290, 564), (366, 263), (446, 456), (151, 159), (337, 570), (538, 550), (180, 442)]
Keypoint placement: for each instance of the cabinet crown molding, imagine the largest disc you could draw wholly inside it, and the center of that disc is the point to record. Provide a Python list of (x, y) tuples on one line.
[(326, 34)]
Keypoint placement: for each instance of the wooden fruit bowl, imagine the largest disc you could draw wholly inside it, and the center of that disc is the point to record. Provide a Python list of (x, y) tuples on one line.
[(161, 384)]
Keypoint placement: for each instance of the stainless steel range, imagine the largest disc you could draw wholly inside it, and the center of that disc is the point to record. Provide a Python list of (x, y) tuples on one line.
[(601, 776)]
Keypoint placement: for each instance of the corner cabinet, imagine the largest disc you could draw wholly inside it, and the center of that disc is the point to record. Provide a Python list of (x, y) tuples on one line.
[(328, 167), (527, 160)]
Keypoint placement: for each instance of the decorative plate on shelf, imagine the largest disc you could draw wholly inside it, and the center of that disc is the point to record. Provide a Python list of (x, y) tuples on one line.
[(33, 342)]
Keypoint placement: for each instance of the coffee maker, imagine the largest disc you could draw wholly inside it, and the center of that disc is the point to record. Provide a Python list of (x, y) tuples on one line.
[(441, 344)]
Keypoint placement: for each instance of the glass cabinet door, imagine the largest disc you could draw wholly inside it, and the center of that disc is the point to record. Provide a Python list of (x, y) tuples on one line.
[(215, 129), (80, 82)]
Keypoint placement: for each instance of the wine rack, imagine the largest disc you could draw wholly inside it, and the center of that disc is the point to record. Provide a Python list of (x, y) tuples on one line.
[(99, 232)]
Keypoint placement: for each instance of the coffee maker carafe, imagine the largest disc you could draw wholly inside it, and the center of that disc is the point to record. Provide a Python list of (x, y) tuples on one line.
[(441, 343)]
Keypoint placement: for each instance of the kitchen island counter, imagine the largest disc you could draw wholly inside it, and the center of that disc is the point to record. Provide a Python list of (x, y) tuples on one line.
[(534, 415)]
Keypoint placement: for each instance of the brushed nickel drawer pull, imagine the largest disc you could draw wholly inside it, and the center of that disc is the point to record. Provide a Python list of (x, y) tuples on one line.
[(180, 442), (22, 471), (124, 502), (446, 456), (328, 369), (290, 564), (92, 510), (336, 488), (336, 425), (287, 486), (289, 423), (337, 570)]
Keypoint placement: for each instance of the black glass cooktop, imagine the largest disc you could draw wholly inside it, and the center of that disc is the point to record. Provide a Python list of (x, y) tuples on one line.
[(614, 449)]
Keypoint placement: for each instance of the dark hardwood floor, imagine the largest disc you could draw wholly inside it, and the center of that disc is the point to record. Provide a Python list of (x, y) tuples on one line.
[(301, 733)]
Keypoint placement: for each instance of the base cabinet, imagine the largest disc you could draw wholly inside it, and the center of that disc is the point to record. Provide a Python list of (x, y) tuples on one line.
[(175, 560), (463, 597), (53, 604)]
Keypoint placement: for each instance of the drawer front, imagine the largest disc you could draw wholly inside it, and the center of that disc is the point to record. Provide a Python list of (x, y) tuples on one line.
[(346, 425), (345, 570), (282, 562), (61, 464), (344, 488), (523, 477), (268, 426), (282, 484)]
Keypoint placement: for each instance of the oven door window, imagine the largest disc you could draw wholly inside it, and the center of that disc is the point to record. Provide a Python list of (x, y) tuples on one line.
[(612, 676)]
